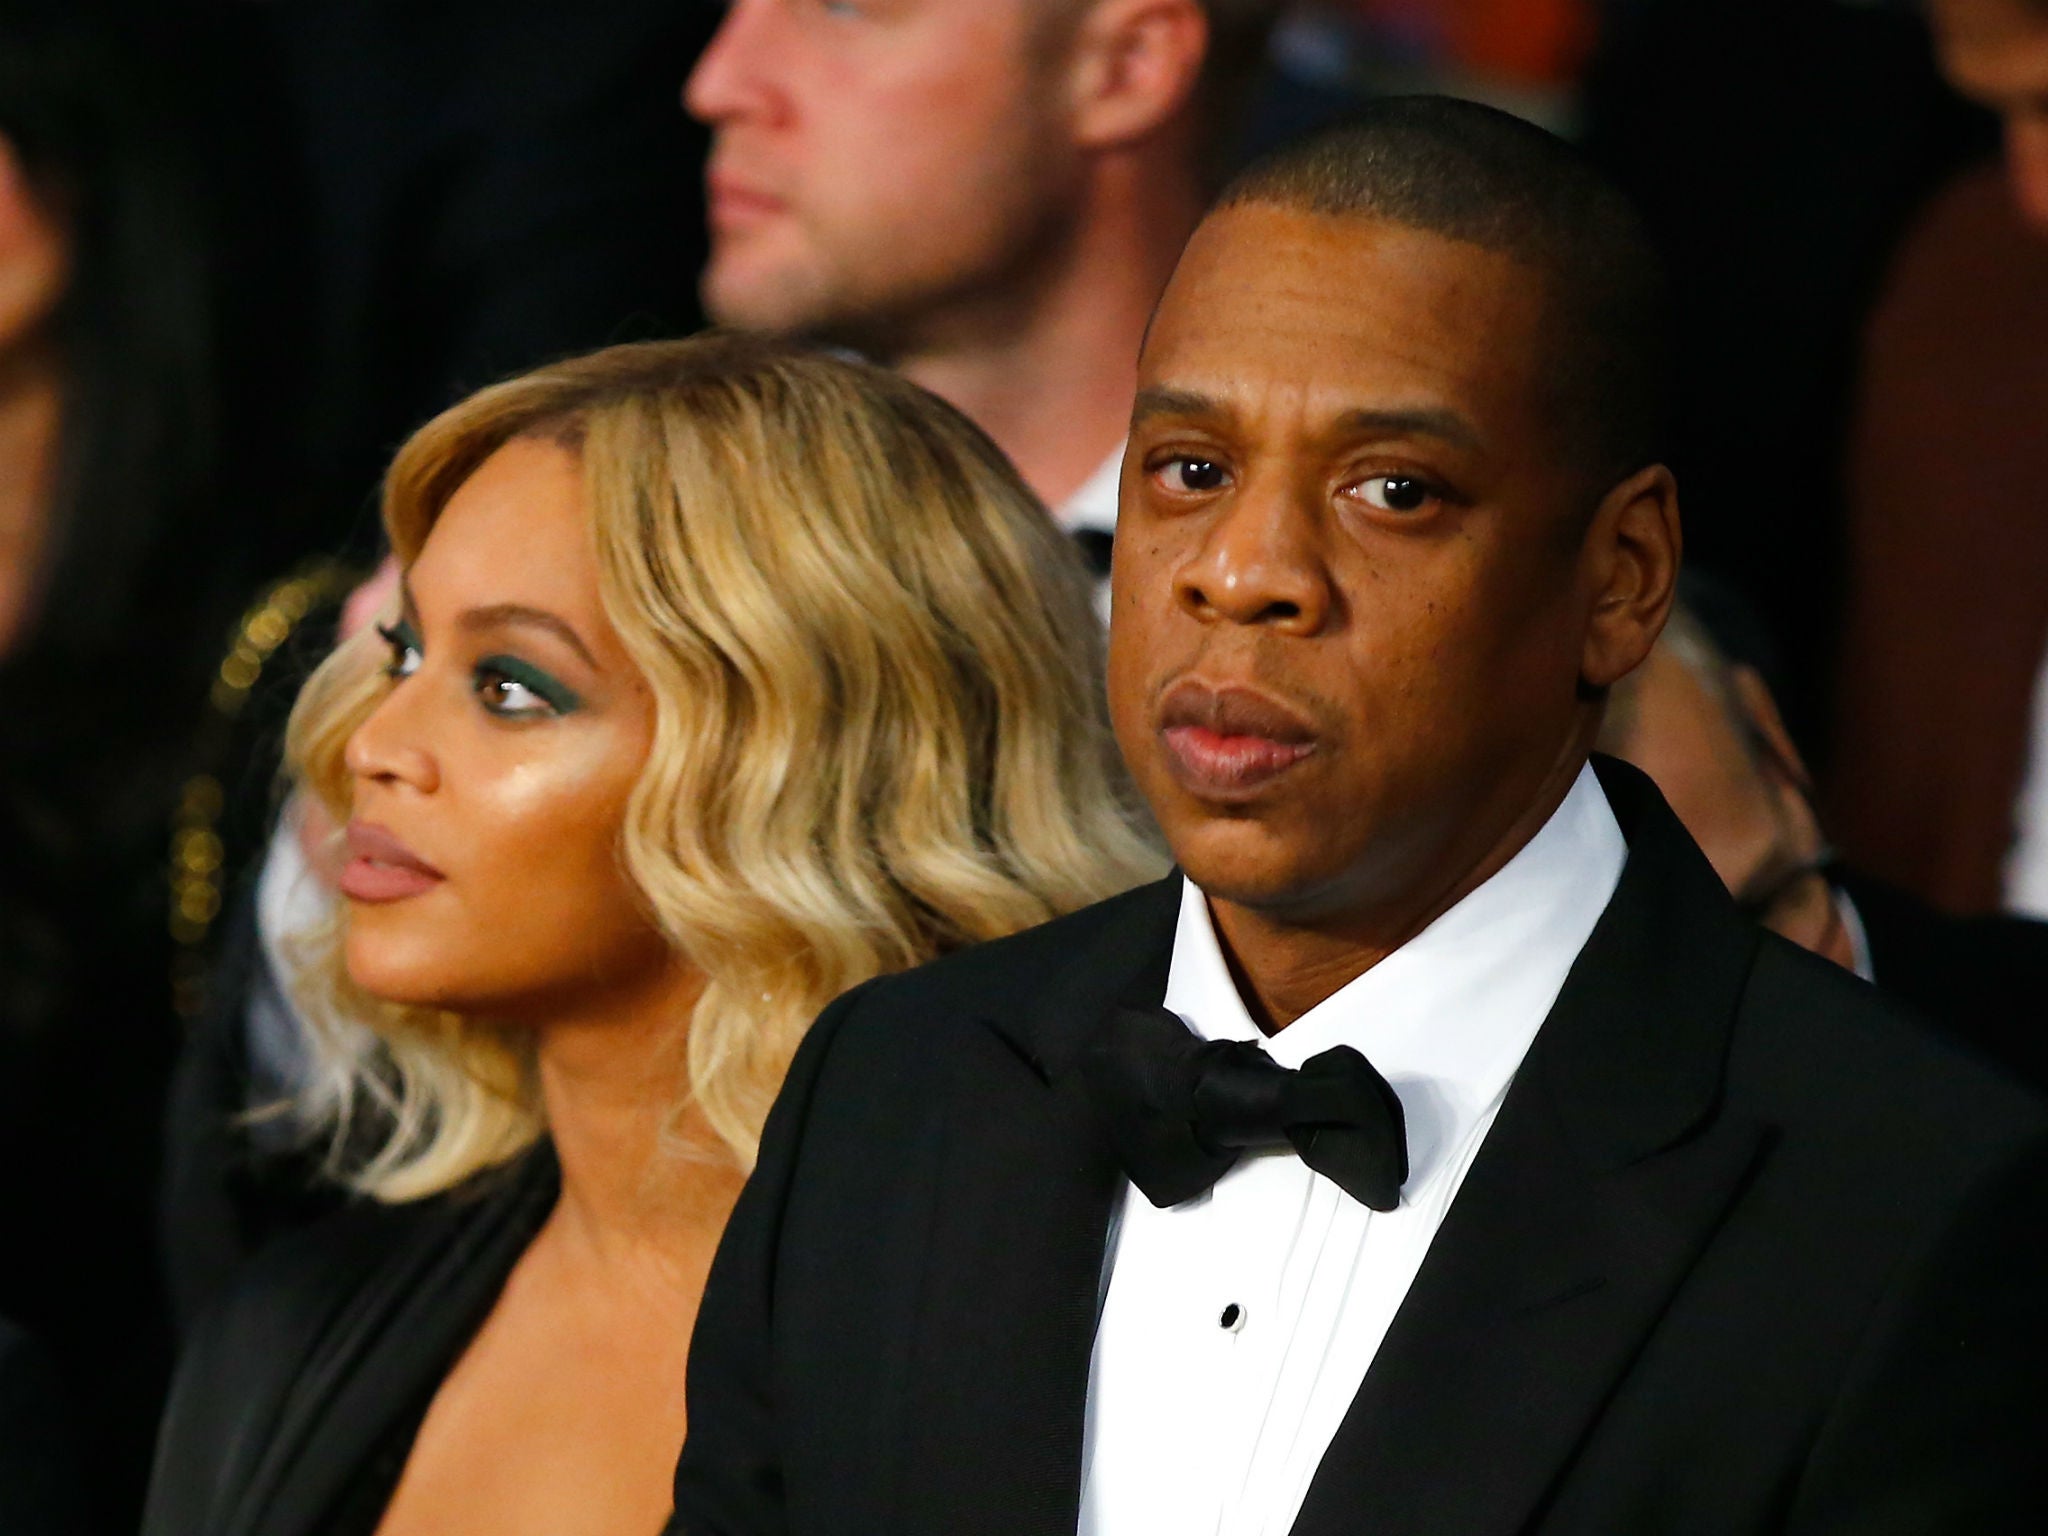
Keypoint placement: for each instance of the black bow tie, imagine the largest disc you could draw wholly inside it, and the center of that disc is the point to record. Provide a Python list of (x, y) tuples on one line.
[(1180, 1110)]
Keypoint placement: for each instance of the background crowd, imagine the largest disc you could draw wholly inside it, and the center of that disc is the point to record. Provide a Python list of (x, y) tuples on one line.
[(246, 249)]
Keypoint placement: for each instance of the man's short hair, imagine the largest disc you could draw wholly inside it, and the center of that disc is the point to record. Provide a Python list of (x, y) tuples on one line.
[(1474, 174)]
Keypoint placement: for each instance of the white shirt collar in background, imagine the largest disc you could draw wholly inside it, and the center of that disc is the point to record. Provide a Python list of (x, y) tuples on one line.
[(1092, 508)]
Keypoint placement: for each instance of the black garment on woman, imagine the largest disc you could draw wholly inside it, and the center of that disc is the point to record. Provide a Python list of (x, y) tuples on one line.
[(297, 1400)]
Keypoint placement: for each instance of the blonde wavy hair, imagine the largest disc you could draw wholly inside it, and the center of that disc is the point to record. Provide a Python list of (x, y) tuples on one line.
[(879, 733)]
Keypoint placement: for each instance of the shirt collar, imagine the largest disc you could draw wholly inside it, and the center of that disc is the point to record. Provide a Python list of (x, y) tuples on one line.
[(1092, 508), (1449, 1015)]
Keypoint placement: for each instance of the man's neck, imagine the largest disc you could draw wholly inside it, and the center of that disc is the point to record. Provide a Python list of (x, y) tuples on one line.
[(1048, 368), (1285, 961), (637, 1196)]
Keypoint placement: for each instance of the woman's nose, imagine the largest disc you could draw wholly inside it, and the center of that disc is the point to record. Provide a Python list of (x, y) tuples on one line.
[(388, 747)]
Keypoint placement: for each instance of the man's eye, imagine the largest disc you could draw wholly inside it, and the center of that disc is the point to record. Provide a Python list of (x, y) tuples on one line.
[(1192, 475), (405, 650), (1397, 493)]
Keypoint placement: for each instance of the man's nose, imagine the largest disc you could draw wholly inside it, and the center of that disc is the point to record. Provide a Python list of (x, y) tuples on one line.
[(727, 81), (1261, 561)]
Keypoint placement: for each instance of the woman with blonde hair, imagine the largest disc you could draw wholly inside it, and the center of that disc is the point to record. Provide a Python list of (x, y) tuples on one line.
[(727, 676)]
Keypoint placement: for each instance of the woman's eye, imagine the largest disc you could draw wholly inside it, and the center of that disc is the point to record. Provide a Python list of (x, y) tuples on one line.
[(510, 687), (1192, 476), (405, 650), (508, 696), (1397, 493)]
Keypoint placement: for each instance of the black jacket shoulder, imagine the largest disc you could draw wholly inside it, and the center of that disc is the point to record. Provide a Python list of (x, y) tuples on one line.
[(1819, 1044), (1983, 979)]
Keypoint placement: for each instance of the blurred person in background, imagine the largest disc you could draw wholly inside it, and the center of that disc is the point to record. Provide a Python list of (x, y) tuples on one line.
[(1779, 149), (1995, 52), (1938, 779), (726, 677), (117, 578), (41, 1486), (1706, 726), (416, 199), (987, 195)]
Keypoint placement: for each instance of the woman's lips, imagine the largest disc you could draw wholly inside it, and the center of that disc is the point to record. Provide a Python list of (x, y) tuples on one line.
[(381, 868), (1230, 741)]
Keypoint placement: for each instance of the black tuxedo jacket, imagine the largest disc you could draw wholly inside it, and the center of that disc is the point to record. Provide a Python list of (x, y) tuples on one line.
[(1744, 1251), (1983, 978)]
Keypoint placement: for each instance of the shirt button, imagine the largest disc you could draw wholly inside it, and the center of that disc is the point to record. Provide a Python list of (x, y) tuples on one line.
[(1231, 1318)]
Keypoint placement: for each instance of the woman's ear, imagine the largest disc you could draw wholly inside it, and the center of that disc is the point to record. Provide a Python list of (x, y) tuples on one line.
[(1133, 65), (1630, 557)]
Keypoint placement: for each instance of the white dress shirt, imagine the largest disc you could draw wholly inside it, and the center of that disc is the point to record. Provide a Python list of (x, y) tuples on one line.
[(1237, 1327), (2026, 862), (1092, 509)]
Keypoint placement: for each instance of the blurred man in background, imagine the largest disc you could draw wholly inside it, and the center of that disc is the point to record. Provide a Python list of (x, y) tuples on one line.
[(1996, 53), (1704, 724), (986, 194), (1938, 775)]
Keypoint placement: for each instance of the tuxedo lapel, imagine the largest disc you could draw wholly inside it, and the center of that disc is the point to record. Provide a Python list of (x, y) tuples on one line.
[(1013, 1281), (1602, 1179)]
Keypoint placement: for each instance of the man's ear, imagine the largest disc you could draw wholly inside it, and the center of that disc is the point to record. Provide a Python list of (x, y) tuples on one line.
[(1133, 66), (1630, 562)]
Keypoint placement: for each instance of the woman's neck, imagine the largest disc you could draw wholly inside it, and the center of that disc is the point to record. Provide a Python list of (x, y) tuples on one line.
[(641, 1182)]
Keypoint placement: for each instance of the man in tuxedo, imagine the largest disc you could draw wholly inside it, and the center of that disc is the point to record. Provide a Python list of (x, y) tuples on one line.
[(1703, 723), (985, 194), (1439, 1150)]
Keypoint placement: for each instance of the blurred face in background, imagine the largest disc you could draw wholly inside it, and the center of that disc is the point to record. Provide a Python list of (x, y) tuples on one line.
[(33, 254), (34, 265), (875, 161), (490, 786), (1710, 735), (1996, 53)]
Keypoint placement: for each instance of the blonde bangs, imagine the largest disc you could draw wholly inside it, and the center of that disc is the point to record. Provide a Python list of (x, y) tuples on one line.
[(879, 728)]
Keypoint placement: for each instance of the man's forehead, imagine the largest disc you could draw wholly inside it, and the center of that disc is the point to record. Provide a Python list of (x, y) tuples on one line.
[(1336, 314), (1264, 264)]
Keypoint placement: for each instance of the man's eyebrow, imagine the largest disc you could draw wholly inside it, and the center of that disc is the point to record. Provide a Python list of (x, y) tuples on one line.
[(1416, 421), (496, 614), (1161, 401), (1410, 421)]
